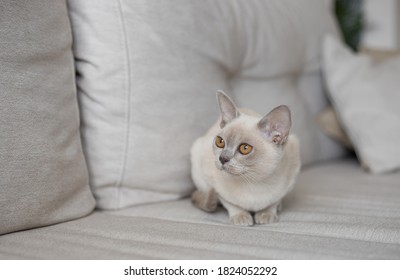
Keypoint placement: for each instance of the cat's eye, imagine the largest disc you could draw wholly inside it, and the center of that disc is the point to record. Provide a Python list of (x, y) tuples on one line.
[(245, 149), (219, 142)]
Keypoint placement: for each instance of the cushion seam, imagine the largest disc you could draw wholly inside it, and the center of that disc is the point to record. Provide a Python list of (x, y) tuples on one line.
[(127, 98)]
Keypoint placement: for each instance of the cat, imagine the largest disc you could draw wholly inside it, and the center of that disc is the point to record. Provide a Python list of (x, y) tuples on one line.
[(246, 162)]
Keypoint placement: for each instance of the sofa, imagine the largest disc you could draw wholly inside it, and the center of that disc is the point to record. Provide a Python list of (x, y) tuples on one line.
[(101, 100)]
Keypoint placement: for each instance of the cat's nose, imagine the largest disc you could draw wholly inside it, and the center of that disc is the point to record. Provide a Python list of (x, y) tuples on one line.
[(223, 159)]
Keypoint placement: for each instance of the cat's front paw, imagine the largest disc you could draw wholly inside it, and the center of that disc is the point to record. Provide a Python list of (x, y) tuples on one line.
[(242, 219), (265, 217)]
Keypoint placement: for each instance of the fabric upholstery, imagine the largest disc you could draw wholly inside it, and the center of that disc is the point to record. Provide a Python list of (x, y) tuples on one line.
[(329, 123), (365, 95), (43, 175), (336, 211), (148, 73)]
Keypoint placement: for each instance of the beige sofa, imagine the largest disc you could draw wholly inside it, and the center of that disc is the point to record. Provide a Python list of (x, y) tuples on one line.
[(144, 91)]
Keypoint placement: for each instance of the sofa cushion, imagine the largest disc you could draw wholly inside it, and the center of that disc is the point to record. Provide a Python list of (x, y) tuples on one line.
[(43, 176), (365, 95), (330, 124), (351, 215), (149, 70)]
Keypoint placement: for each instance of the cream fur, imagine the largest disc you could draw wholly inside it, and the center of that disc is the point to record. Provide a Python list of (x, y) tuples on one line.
[(254, 183)]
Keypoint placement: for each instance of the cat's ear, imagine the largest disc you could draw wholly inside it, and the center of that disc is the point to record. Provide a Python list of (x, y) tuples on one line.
[(227, 108), (276, 125)]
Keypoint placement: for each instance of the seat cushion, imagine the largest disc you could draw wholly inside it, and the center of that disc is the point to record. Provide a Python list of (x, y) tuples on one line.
[(336, 211), (43, 175), (148, 73)]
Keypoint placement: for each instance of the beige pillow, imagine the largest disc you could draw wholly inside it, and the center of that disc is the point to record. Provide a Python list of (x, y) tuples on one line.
[(43, 176), (380, 55), (329, 123)]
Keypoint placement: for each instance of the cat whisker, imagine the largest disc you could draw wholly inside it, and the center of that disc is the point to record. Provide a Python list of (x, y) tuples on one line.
[(243, 176), (248, 177), (254, 176)]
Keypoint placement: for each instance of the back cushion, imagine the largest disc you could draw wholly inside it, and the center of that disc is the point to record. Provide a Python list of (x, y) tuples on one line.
[(43, 175), (148, 72)]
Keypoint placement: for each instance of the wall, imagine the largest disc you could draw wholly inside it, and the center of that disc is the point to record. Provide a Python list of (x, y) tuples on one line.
[(383, 24)]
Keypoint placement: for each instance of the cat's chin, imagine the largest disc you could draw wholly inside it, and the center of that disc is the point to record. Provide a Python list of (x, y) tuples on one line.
[(229, 170)]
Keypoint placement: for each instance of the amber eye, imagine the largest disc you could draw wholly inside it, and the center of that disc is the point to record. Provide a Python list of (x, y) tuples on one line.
[(245, 149), (219, 142)]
